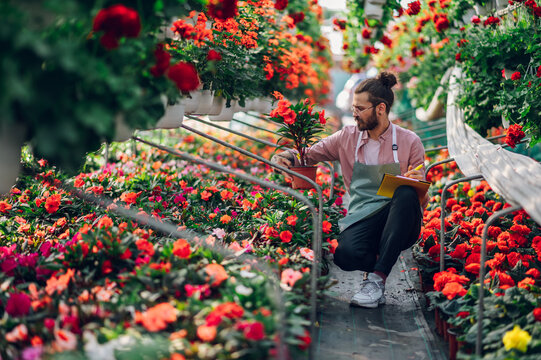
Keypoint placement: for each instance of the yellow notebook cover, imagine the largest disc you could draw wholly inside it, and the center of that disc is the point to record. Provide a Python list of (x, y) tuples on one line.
[(389, 183)]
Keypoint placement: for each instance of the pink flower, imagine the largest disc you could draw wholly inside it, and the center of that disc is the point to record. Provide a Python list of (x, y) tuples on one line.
[(290, 277)]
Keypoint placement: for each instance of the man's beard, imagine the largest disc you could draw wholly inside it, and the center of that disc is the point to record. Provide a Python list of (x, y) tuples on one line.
[(369, 124)]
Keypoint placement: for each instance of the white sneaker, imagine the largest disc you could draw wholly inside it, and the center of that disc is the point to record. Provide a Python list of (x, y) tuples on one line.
[(372, 292)]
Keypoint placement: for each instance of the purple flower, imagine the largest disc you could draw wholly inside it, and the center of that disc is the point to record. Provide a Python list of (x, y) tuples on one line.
[(32, 353)]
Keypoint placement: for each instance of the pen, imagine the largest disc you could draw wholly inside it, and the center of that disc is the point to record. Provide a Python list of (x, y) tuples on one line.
[(419, 167)]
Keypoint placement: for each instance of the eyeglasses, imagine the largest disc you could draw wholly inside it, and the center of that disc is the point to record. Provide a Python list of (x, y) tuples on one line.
[(359, 109)]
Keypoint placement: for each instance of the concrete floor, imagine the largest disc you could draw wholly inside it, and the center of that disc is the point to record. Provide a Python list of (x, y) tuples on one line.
[(401, 329)]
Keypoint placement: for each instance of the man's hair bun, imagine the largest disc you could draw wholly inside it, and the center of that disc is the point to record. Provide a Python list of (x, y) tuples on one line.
[(387, 79)]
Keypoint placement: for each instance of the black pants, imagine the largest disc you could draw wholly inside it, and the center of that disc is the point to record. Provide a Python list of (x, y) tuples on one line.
[(374, 243)]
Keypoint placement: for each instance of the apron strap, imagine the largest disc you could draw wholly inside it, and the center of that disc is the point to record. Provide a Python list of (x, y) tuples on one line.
[(395, 146)]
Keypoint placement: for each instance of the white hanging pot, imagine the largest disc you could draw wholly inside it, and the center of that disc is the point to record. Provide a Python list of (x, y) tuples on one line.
[(482, 10), (172, 118), (191, 103), (226, 114), (205, 102), (11, 141), (264, 105), (250, 104), (122, 131), (373, 11), (218, 104), (505, 122)]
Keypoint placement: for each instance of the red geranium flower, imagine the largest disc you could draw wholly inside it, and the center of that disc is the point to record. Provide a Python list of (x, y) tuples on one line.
[(214, 55), (280, 4), (413, 8), (537, 314), (163, 59), (516, 75), (297, 17), (116, 21), (514, 135), (184, 75), (222, 9)]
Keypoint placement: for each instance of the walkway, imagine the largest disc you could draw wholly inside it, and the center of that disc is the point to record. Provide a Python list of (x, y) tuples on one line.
[(401, 329)]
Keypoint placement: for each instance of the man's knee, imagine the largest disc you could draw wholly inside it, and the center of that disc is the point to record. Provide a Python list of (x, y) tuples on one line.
[(406, 193), (348, 258)]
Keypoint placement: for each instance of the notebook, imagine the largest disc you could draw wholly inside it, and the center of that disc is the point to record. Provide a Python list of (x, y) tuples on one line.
[(389, 183)]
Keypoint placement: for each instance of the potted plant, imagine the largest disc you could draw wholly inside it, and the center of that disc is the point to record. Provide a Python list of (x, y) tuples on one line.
[(300, 127)]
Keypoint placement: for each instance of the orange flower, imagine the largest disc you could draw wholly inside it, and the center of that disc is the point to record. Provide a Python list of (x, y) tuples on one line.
[(105, 222), (4, 207), (205, 195), (181, 248), (291, 220), (129, 197), (290, 277), (216, 273), (226, 195), (452, 289), (286, 236), (225, 219), (145, 246), (60, 283), (52, 203), (206, 333), (157, 317), (327, 226)]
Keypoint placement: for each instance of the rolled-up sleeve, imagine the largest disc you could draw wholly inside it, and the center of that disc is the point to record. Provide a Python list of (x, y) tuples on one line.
[(326, 149), (417, 155)]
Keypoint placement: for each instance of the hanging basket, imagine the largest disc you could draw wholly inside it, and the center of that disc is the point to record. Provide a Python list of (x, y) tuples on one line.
[(218, 103), (191, 103), (226, 114), (11, 141), (308, 171), (205, 103), (172, 118), (373, 11), (122, 131)]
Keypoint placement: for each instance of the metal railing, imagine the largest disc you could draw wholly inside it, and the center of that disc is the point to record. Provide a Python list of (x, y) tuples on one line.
[(481, 306)]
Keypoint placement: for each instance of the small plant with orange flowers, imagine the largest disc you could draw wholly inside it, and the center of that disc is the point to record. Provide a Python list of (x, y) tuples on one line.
[(300, 124)]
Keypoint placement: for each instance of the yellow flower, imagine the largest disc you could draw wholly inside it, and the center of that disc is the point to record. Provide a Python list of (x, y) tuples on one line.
[(516, 339), (471, 193)]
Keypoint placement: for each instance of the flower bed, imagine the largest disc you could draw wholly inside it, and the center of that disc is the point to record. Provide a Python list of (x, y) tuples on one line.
[(512, 303), (76, 277)]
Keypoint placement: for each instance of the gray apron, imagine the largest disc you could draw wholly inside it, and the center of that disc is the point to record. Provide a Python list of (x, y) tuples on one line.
[(364, 186)]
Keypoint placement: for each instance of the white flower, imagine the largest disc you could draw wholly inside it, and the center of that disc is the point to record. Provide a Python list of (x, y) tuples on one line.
[(247, 274), (243, 290), (219, 233)]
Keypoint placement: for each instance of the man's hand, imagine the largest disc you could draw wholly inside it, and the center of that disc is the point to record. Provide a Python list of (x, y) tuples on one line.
[(414, 174), (283, 160)]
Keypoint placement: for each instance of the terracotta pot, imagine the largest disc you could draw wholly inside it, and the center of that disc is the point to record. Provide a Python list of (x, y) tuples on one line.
[(308, 171), (453, 345), (439, 325), (445, 330)]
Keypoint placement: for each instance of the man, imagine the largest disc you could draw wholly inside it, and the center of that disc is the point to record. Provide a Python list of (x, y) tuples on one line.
[(376, 229)]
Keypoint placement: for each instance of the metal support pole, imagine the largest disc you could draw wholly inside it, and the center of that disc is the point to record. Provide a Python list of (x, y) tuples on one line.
[(443, 201), (268, 143), (481, 309), (488, 138), (429, 167), (255, 126), (434, 137), (430, 128), (316, 240)]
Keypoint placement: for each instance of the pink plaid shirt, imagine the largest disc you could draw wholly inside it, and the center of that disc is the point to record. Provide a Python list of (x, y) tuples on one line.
[(341, 146)]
